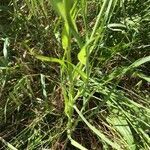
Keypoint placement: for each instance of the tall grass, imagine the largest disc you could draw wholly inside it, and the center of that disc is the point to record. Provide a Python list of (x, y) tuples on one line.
[(90, 51)]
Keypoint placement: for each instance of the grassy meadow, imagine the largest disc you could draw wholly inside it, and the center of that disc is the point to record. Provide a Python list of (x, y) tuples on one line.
[(74, 74)]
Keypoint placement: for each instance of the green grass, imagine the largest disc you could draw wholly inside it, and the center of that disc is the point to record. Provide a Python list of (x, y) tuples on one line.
[(74, 74)]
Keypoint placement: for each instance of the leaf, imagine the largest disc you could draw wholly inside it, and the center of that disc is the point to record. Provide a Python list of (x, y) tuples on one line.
[(116, 26), (82, 55), (139, 62), (144, 77), (79, 71), (122, 127), (76, 144), (63, 8), (59, 8), (50, 59), (65, 37), (5, 48), (97, 132), (8, 144), (44, 58), (43, 86), (141, 75), (121, 71)]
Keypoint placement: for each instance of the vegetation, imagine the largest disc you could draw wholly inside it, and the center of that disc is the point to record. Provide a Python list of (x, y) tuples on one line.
[(74, 74)]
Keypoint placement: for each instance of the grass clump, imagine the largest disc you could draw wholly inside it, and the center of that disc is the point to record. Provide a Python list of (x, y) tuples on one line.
[(74, 74)]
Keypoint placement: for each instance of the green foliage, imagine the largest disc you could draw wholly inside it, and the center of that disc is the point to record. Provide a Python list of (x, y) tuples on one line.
[(70, 68)]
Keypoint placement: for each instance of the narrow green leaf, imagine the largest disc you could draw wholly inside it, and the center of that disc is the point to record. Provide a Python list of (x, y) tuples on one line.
[(97, 132), (139, 62), (65, 37), (8, 144), (5, 48), (50, 59), (59, 8), (43, 86), (76, 144), (146, 78), (82, 55), (122, 127), (116, 27)]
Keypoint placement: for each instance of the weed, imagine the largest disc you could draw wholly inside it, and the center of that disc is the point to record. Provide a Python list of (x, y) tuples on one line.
[(68, 65)]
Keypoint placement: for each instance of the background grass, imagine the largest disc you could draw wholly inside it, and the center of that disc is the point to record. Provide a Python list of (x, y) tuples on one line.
[(74, 74)]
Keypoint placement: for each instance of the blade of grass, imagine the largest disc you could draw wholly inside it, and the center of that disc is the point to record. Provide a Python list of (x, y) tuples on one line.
[(8, 144), (96, 131), (76, 144)]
